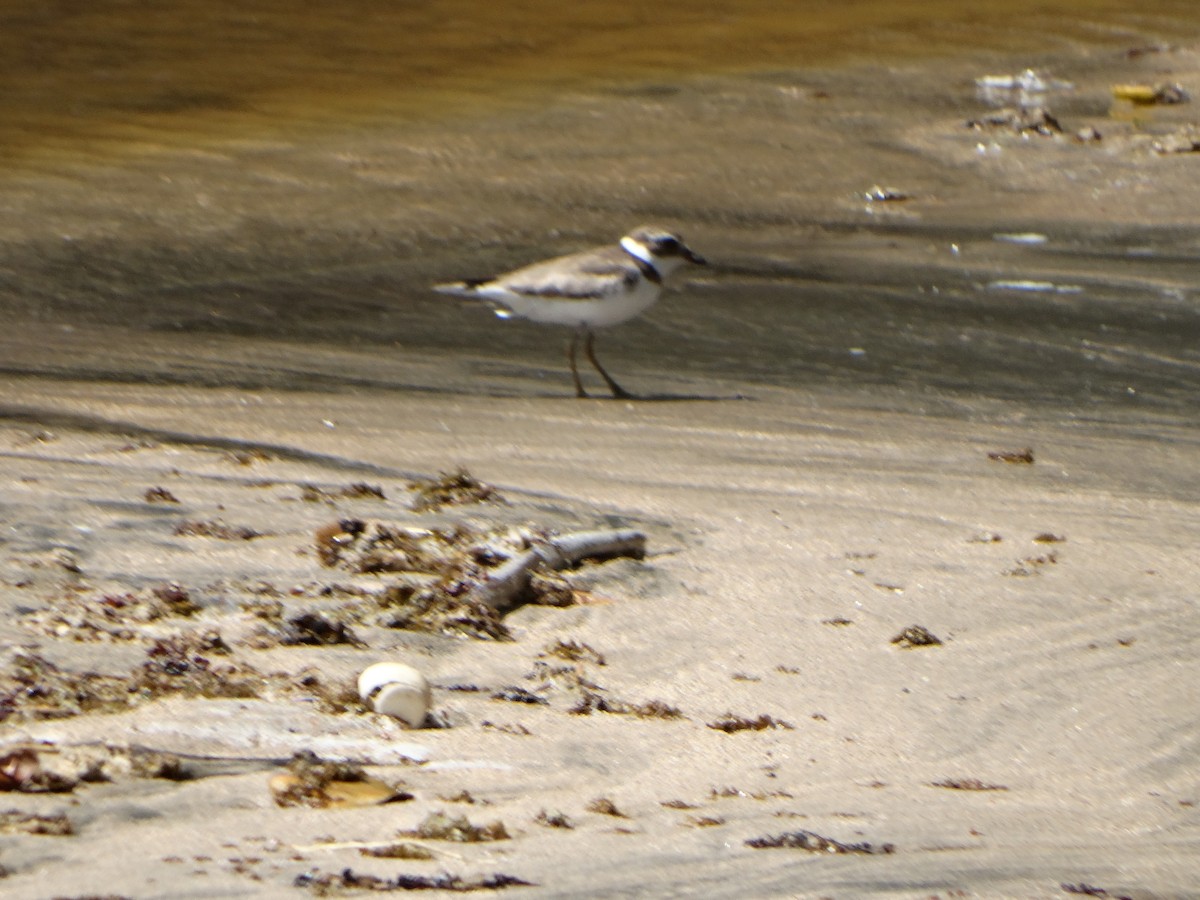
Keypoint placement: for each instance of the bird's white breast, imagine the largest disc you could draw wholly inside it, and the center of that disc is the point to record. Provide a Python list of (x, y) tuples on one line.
[(599, 312)]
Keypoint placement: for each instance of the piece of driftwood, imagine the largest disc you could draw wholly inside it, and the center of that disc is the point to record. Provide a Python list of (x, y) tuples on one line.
[(507, 582)]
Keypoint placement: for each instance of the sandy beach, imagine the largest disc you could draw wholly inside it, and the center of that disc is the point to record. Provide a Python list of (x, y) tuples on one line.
[(964, 414)]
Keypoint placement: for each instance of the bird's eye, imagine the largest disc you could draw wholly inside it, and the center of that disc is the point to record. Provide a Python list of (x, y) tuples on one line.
[(666, 246)]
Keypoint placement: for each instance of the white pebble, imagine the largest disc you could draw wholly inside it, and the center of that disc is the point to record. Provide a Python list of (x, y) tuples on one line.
[(396, 690)]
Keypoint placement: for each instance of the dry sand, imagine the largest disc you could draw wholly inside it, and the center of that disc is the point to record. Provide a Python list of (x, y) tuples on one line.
[(795, 528)]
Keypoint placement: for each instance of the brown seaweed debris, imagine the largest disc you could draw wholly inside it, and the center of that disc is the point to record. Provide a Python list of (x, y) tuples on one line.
[(324, 885), (591, 701), (730, 723), (440, 826), (1014, 457), (159, 495), (1023, 120), (967, 784), (315, 629), (1047, 537), (314, 782), (916, 636), (311, 493), (451, 489), (814, 843), (14, 821), (1089, 890), (1031, 565), (573, 651), (603, 806), (553, 820), (401, 850), (22, 770), (110, 617), (216, 529)]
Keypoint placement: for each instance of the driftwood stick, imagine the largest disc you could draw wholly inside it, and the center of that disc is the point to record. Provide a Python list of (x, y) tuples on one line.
[(506, 583)]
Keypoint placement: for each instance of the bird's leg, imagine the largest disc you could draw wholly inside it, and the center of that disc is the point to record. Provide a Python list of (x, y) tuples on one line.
[(618, 392), (579, 391)]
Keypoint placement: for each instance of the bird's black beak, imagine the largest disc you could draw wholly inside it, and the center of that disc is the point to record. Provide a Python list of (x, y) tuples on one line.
[(692, 256)]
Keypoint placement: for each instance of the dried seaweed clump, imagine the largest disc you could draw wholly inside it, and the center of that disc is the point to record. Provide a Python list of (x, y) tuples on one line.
[(814, 843), (451, 489), (13, 821), (574, 651), (21, 770), (323, 885), (36, 688), (216, 529), (1013, 457), (314, 782), (730, 723), (916, 636), (440, 826), (603, 806), (967, 784), (439, 571), (438, 608), (110, 617)]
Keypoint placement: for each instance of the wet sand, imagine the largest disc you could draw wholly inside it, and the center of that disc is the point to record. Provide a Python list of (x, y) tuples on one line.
[(811, 467)]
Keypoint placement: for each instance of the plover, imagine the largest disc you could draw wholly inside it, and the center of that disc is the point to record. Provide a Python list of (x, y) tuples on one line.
[(592, 289)]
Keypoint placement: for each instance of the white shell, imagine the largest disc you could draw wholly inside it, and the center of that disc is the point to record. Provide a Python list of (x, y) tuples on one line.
[(396, 690)]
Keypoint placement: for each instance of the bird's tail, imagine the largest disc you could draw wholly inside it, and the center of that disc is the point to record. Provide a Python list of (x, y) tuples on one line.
[(467, 288)]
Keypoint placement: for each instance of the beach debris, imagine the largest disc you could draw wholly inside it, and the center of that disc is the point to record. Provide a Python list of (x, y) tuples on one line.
[(1031, 565), (396, 690), (729, 792), (216, 529), (1030, 286), (837, 621), (159, 495), (440, 826), (463, 580), (1185, 140), (1088, 134), (985, 537), (1028, 238), (1014, 457), (399, 850), (507, 583), (730, 723), (879, 194), (316, 629), (916, 636), (1151, 94), (347, 879), (1029, 81), (451, 489), (311, 493), (14, 821), (1022, 120), (573, 651), (652, 709), (516, 694), (678, 804), (104, 617), (21, 770), (705, 821), (1047, 537), (814, 843), (313, 782), (1089, 890), (604, 806), (553, 820), (967, 784)]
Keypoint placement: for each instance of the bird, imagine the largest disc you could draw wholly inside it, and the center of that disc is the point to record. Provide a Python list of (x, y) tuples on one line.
[(591, 289)]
